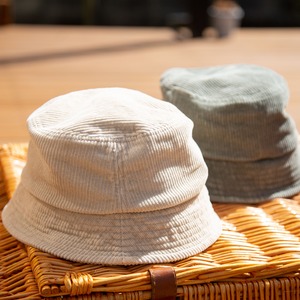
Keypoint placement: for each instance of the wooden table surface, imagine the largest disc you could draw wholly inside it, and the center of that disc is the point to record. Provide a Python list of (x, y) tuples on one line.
[(38, 63)]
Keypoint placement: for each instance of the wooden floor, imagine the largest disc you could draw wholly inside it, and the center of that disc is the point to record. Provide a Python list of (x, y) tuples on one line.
[(41, 62)]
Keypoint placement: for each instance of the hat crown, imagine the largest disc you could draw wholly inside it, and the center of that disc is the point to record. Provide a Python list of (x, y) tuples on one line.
[(100, 114), (238, 110), (107, 151)]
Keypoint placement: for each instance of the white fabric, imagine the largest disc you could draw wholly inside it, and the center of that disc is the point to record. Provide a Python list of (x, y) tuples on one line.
[(113, 176)]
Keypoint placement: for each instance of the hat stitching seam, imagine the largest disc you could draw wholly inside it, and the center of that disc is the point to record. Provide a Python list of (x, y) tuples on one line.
[(117, 186), (121, 138), (288, 152), (207, 100)]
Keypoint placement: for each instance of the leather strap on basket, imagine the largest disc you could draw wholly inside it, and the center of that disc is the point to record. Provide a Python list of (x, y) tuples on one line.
[(163, 283)]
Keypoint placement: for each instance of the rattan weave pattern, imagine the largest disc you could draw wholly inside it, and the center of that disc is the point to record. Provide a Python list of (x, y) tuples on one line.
[(16, 278), (256, 257)]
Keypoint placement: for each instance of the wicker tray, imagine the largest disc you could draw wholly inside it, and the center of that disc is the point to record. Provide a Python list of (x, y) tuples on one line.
[(256, 257), (16, 278)]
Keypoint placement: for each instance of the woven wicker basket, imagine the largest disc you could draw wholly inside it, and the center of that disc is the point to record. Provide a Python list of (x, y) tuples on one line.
[(256, 257)]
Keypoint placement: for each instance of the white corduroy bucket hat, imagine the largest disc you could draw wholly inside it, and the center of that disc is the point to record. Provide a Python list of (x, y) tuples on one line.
[(249, 142), (113, 176)]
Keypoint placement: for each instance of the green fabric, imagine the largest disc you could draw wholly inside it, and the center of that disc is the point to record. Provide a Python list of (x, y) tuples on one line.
[(242, 128)]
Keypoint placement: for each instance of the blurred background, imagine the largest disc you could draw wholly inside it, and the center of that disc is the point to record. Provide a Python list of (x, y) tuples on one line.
[(172, 13), (52, 47)]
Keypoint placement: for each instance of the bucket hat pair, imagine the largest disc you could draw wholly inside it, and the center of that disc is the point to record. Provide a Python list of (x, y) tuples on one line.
[(113, 176), (249, 142)]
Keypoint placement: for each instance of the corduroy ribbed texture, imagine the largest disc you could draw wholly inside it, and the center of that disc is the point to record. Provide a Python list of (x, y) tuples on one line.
[(113, 176), (248, 141)]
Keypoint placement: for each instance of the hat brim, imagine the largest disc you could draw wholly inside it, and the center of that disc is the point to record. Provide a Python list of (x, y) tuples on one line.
[(254, 181), (133, 238)]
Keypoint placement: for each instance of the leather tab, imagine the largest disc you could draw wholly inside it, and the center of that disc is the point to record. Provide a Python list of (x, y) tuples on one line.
[(163, 283)]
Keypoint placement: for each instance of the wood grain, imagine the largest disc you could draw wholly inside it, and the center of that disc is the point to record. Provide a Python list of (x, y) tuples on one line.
[(38, 63)]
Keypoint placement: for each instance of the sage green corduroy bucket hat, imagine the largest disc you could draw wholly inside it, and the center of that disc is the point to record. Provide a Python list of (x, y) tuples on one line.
[(249, 142)]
